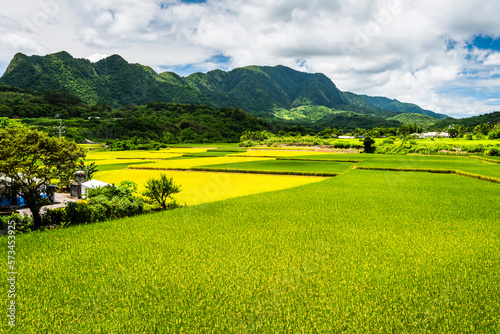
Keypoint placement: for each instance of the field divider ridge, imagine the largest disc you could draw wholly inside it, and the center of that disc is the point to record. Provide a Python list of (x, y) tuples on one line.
[(437, 171), (199, 156), (251, 156), (485, 159), (241, 171), (311, 159)]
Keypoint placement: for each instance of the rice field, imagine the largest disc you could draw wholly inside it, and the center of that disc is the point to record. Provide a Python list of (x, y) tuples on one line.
[(274, 153), (366, 251), (184, 163), (287, 165), (362, 252), (204, 187), (160, 154)]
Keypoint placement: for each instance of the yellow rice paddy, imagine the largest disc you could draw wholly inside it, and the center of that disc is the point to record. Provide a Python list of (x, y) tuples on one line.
[(203, 187)]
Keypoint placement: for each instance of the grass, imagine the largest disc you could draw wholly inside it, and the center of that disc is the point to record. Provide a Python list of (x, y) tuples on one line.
[(487, 158), (118, 166), (288, 165), (205, 145), (273, 153), (463, 164), (366, 251), (195, 162), (161, 154), (208, 154)]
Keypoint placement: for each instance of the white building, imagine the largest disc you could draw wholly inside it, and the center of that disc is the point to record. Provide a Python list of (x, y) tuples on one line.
[(434, 135)]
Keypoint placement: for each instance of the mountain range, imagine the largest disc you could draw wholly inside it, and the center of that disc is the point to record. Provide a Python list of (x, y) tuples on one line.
[(272, 93)]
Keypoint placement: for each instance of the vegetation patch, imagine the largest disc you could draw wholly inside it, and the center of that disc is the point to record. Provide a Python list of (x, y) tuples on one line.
[(340, 260)]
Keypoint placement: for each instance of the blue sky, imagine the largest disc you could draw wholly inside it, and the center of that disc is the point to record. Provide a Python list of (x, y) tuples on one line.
[(218, 61), (442, 55)]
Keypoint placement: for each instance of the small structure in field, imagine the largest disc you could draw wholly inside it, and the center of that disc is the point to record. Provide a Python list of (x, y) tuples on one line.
[(434, 135)]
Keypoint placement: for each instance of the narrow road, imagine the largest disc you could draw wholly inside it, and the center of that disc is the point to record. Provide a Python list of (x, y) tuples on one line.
[(62, 200)]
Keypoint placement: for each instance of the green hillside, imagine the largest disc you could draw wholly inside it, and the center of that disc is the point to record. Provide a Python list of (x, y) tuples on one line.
[(260, 89), (111, 80), (419, 119), (493, 117), (157, 121), (384, 103), (269, 92)]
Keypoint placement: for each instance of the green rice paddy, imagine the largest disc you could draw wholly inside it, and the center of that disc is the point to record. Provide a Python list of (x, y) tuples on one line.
[(363, 252), (287, 165)]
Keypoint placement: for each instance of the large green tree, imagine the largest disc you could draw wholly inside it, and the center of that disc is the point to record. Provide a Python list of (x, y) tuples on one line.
[(30, 160)]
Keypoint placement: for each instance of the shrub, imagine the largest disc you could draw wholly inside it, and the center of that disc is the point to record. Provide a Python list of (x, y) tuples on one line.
[(103, 203), (388, 141), (495, 134), (341, 144), (54, 216), (493, 151), (126, 206), (23, 223), (77, 213)]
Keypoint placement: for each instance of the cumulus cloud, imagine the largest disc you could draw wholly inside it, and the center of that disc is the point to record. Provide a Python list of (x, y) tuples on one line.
[(96, 57), (415, 51)]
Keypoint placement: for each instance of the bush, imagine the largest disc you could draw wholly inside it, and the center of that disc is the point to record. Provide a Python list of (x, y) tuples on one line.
[(103, 203), (495, 134), (494, 151), (126, 206), (341, 144), (23, 223), (388, 141), (112, 202), (77, 213), (54, 216)]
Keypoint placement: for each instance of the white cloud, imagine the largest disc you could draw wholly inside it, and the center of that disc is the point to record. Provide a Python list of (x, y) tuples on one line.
[(394, 48), (96, 57), (493, 59)]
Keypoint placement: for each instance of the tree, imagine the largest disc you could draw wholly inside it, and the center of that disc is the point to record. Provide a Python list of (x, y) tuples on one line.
[(89, 169), (160, 190), (453, 132), (367, 144), (30, 159)]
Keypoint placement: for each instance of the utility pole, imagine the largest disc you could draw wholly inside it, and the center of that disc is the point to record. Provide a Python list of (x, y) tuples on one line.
[(60, 129)]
